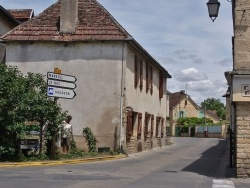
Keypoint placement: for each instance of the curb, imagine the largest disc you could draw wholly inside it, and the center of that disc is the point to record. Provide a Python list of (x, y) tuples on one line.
[(63, 162)]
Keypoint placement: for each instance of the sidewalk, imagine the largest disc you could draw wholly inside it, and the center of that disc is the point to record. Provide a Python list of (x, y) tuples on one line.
[(60, 162)]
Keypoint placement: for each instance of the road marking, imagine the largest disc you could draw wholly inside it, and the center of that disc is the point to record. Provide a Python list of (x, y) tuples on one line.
[(223, 184)]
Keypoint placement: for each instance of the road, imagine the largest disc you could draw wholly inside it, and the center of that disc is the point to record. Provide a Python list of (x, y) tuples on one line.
[(189, 163)]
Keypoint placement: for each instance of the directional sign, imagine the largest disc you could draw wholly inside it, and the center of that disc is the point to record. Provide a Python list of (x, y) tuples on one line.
[(58, 83), (63, 77), (60, 92)]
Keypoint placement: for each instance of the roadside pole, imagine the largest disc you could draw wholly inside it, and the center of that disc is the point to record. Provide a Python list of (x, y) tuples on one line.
[(60, 86)]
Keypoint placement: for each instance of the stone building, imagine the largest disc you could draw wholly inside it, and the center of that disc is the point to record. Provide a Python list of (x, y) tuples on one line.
[(182, 105), (239, 87), (121, 88)]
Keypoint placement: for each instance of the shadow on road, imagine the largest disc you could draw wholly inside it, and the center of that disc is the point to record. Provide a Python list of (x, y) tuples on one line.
[(214, 162)]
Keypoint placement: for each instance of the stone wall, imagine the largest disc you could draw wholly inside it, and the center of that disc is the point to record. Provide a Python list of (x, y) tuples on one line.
[(243, 139), (241, 63)]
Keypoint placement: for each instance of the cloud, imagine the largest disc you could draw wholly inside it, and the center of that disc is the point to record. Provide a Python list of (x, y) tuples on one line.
[(190, 74), (225, 62)]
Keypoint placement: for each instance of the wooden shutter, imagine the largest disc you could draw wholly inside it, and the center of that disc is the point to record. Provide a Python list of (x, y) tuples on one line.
[(136, 71), (151, 80), (157, 126), (147, 116), (160, 85), (152, 125), (162, 127), (147, 78), (141, 75), (129, 124), (139, 129)]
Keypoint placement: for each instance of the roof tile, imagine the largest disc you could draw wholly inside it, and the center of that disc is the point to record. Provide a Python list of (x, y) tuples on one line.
[(95, 23)]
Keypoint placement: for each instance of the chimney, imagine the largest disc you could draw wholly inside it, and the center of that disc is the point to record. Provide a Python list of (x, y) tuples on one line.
[(68, 16)]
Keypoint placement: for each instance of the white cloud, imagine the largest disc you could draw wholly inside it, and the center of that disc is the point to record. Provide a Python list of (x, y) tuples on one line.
[(190, 74)]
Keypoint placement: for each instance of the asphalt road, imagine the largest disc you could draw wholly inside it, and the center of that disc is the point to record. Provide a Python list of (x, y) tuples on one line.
[(188, 163)]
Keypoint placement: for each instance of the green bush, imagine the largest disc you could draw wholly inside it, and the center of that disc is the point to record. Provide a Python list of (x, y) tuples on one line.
[(87, 133)]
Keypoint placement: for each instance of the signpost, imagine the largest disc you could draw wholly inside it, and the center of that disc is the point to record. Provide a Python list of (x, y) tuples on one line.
[(62, 77), (60, 92), (60, 85)]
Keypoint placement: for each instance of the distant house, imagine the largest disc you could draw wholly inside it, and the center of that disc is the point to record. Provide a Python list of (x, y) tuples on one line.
[(22, 15), (121, 88), (7, 21), (181, 105)]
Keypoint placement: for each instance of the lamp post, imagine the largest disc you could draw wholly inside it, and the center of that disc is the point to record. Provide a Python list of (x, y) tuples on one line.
[(205, 123), (213, 9)]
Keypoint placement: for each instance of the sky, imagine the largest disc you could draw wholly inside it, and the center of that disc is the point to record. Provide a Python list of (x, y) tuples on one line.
[(179, 34)]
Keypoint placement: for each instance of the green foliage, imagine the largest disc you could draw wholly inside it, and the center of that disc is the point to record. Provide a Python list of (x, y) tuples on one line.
[(24, 98), (87, 133), (217, 105), (192, 121)]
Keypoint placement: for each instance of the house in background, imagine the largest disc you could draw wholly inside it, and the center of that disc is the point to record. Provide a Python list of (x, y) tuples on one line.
[(181, 105), (7, 21), (22, 15), (121, 88)]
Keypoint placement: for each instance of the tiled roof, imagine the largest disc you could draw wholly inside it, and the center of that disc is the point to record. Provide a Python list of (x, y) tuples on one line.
[(95, 23), (21, 14), (8, 15), (175, 98)]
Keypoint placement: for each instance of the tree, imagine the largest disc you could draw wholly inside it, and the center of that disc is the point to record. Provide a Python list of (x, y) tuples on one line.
[(217, 105), (11, 117), (192, 121), (24, 98)]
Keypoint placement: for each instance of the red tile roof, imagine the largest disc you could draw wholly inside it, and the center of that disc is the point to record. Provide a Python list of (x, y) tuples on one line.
[(21, 14), (95, 23), (4, 12), (175, 98)]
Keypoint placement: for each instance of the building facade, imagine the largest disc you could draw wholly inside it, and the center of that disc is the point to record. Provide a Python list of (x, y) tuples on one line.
[(120, 86), (181, 105), (238, 81)]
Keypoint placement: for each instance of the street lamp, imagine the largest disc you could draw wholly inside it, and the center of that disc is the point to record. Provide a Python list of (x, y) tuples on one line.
[(213, 9)]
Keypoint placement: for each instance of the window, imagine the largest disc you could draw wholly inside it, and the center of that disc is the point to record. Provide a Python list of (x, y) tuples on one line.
[(147, 117), (129, 124), (160, 85), (151, 80), (158, 120), (136, 71), (141, 75), (152, 125), (181, 114), (200, 114), (162, 127), (139, 127), (147, 78)]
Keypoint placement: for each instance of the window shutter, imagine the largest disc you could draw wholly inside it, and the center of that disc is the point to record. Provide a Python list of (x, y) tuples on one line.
[(157, 126), (147, 116), (136, 71), (141, 74), (151, 80), (152, 125), (160, 85), (162, 127), (139, 129), (147, 78), (129, 124)]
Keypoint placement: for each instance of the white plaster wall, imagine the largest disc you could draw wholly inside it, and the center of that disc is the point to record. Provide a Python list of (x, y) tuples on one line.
[(139, 100), (97, 67), (5, 26)]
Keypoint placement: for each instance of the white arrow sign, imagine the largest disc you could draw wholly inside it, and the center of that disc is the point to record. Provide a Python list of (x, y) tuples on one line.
[(58, 83), (60, 92), (63, 77)]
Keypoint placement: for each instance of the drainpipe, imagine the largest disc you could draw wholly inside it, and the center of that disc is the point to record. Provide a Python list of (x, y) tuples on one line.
[(121, 100)]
